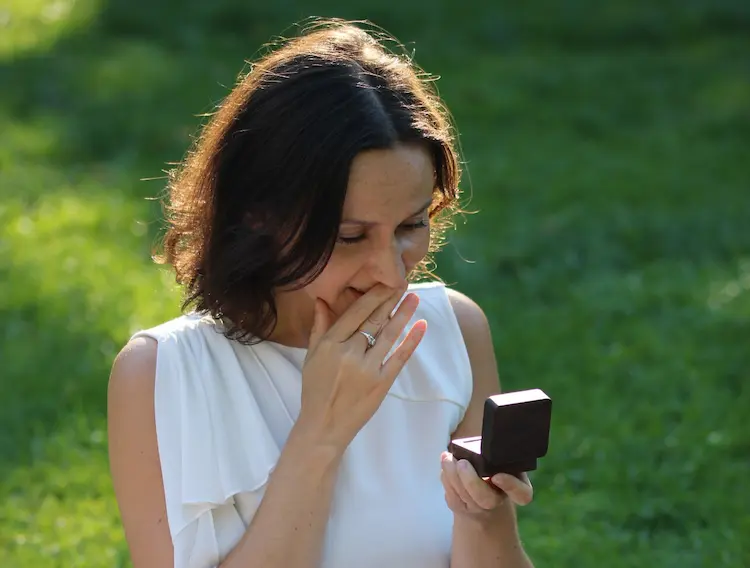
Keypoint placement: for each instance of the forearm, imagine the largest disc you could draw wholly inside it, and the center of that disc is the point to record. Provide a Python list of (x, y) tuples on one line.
[(289, 526), (493, 544)]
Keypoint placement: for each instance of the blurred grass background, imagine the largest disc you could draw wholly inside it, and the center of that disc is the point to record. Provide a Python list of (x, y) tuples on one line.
[(607, 146)]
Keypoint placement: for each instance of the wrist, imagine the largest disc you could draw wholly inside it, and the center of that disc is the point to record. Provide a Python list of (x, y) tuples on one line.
[(312, 439), (487, 541), (501, 522)]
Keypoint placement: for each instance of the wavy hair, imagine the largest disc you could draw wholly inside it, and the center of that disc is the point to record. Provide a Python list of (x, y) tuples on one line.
[(257, 202)]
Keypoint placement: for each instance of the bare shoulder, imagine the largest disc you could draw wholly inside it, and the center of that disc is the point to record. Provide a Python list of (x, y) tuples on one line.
[(130, 396), (471, 318), (475, 329), (134, 456), (135, 364)]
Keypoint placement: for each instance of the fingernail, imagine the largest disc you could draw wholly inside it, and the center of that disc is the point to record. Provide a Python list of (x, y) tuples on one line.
[(497, 478), (463, 465)]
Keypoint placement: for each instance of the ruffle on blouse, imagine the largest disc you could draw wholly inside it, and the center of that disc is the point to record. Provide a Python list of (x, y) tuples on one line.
[(214, 442)]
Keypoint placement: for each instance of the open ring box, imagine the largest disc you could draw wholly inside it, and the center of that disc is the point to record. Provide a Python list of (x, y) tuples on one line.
[(515, 434)]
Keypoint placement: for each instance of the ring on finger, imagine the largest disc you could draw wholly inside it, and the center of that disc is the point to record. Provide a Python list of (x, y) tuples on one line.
[(373, 326), (370, 339)]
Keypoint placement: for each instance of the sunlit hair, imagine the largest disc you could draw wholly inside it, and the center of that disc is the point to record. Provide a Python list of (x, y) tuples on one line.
[(257, 203)]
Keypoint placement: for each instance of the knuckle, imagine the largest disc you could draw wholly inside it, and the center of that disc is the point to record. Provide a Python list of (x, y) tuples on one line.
[(374, 321), (327, 343), (476, 509), (463, 493), (401, 314), (524, 498), (453, 501), (487, 503), (389, 334)]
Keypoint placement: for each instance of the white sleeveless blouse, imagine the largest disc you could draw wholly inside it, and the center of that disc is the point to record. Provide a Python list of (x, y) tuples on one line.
[(224, 411)]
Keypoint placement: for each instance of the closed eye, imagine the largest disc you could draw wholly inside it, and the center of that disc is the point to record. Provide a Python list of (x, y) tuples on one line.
[(407, 227)]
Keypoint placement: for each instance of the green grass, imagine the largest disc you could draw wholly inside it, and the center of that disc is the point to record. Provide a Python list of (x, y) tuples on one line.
[(606, 145)]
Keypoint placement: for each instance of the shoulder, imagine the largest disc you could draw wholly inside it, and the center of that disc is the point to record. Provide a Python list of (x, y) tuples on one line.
[(475, 329), (471, 318), (183, 327), (134, 371), (138, 354), (130, 393), (133, 376), (133, 453), (130, 397), (134, 368)]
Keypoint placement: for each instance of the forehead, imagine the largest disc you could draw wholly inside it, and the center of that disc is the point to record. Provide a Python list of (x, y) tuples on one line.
[(389, 181)]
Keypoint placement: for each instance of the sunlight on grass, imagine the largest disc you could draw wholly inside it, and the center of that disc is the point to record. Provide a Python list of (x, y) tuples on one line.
[(606, 152), (25, 139), (77, 254), (137, 69), (733, 295), (59, 511), (94, 240), (34, 25)]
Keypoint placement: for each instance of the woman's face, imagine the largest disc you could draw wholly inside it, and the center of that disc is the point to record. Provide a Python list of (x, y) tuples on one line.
[(384, 234)]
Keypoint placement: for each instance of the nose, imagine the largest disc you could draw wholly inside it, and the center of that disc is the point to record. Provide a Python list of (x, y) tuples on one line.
[(388, 266)]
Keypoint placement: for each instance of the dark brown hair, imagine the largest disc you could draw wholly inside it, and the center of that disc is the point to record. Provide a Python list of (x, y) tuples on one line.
[(257, 203)]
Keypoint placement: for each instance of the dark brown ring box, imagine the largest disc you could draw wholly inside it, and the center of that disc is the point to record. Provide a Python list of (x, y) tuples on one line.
[(515, 434)]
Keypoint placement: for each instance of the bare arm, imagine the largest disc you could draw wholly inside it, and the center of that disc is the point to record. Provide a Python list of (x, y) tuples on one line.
[(287, 529), (133, 456), (290, 523), (491, 542)]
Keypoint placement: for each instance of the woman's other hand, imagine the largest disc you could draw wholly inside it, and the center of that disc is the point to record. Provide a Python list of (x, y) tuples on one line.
[(480, 498)]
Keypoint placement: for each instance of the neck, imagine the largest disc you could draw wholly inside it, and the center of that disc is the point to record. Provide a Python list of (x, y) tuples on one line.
[(294, 321)]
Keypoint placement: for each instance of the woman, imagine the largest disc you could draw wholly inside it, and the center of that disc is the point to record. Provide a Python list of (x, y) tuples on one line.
[(299, 416)]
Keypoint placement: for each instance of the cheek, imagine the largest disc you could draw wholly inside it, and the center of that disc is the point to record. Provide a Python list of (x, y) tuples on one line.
[(345, 263), (333, 278), (415, 247)]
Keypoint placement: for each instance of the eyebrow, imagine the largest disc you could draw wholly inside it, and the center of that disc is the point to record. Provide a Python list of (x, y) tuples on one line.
[(371, 223)]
